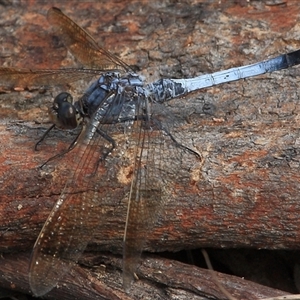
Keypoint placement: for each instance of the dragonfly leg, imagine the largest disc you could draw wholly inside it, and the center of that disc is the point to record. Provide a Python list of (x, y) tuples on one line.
[(182, 146), (43, 137), (110, 140), (71, 147), (108, 151), (177, 144)]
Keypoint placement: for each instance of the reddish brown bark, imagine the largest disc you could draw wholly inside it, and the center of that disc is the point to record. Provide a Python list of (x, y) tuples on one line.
[(159, 279), (245, 191)]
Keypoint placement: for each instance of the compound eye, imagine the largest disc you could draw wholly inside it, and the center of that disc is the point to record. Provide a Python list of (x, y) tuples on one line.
[(63, 113), (63, 97)]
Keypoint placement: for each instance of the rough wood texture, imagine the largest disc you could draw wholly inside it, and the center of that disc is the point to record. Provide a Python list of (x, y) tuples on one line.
[(159, 279), (245, 191)]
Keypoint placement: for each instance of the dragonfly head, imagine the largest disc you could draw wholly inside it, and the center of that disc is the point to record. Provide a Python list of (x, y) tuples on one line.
[(63, 112)]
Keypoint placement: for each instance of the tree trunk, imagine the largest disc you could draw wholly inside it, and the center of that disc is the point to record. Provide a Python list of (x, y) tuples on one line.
[(245, 190)]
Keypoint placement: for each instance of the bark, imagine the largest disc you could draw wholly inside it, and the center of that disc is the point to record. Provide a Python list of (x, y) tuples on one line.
[(245, 190), (158, 279)]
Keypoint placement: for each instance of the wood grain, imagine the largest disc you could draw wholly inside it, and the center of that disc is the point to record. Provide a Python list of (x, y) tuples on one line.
[(243, 193)]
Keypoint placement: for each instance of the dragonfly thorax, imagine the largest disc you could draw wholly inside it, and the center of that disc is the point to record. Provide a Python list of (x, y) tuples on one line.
[(111, 94)]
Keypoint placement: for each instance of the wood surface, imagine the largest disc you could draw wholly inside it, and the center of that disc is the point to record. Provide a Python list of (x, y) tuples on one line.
[(244, 191)]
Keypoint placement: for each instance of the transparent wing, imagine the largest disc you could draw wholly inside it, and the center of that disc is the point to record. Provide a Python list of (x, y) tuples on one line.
[(68, 228), (161, 165), (72, 223), (81, 44), (13, 77), (94, 59)]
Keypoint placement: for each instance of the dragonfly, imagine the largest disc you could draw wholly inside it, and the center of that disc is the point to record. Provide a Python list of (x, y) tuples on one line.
[(118, 96)]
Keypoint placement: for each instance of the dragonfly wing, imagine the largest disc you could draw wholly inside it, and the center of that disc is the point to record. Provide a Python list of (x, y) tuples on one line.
[(94, 58), (81, 44), (60, 243), (72, 222), (143, 207), (69, 227), (13, 77), (161, 164)]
